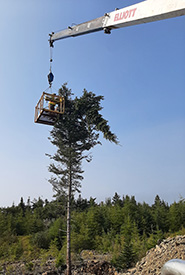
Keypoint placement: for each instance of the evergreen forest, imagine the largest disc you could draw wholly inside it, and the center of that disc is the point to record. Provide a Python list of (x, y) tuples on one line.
[(120, 226)]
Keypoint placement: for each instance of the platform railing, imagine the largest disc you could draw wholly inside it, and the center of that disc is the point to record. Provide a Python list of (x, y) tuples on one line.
[(174, 267), (39, 107), (43, 108)]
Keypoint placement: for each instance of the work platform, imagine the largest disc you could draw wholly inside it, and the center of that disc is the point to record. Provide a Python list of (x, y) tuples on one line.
[(48, 109)]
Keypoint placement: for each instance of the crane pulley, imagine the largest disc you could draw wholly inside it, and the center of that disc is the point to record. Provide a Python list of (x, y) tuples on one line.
[(50, 78)]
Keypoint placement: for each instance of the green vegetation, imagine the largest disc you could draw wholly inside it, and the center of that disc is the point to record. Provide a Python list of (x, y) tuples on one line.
[(119, 226)]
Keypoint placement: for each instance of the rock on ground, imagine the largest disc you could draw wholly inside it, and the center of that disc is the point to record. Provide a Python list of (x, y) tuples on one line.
[(171, 248)]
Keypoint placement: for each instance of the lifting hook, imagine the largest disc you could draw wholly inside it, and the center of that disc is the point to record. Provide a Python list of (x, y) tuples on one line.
[(50, 78)]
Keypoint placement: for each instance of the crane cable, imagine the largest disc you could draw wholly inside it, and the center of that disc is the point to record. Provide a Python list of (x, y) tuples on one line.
[(51, 58), (50, 75)]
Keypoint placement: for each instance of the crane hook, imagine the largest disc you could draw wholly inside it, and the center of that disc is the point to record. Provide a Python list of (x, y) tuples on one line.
[(50, 78)]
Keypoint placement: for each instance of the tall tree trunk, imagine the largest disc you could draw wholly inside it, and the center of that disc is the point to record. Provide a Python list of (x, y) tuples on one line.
[(68, 259)]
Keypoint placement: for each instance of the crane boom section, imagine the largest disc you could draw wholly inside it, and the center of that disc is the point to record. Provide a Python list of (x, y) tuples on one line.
[(87, 27), (143, 12)]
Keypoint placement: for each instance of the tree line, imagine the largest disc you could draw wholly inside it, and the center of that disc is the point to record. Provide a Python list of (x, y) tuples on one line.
[(120, 226)]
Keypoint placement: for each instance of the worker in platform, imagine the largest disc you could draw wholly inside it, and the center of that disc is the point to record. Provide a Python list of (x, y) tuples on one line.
[(52, 102)]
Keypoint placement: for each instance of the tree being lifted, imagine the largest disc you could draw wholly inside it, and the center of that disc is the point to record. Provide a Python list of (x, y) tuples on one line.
[(75, 133)]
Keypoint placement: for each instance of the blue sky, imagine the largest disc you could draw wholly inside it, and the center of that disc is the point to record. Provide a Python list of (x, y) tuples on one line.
[(140, 72)]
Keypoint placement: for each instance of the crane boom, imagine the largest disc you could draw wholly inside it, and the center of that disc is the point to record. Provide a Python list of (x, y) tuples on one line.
[(143, 12)]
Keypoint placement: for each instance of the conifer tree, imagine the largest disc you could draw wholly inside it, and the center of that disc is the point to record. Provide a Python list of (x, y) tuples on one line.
[(128, 254), (74, 134)]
